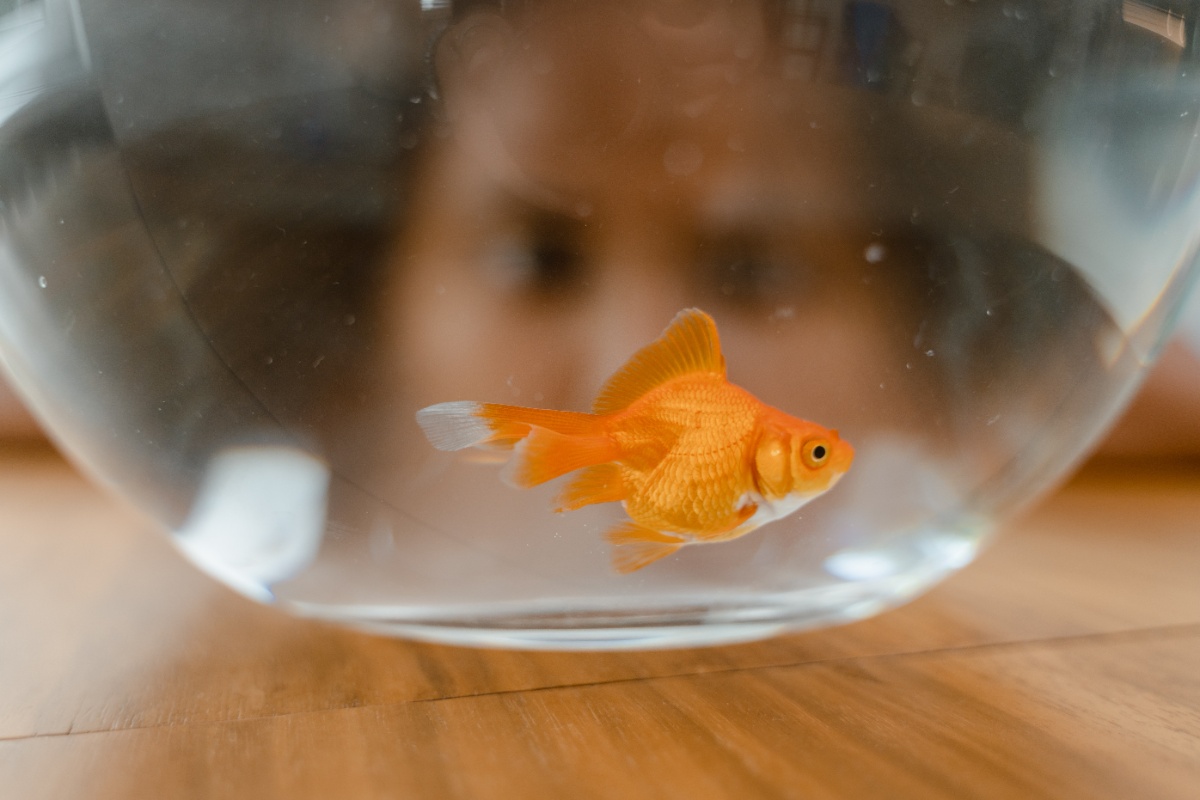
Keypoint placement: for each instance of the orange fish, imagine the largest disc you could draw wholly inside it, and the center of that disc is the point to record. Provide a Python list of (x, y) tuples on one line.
[(693, 458)]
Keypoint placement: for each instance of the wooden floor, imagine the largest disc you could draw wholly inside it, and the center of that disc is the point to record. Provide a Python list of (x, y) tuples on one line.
[(1064, 664)]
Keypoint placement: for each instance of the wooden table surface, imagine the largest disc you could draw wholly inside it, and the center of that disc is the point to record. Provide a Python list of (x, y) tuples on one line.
[(1065, 663)]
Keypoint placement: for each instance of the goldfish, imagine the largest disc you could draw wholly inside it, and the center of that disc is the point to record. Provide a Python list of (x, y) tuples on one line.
[(693, 458)]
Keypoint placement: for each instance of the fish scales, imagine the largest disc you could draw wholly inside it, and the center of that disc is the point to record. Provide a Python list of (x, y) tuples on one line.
[(701, 480)]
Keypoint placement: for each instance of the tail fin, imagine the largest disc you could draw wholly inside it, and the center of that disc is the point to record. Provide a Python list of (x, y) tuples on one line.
[(547, 443), (511, 424), (543, 455), (602, 483)]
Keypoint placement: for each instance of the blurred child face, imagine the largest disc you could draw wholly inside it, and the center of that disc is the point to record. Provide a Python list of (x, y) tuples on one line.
[(603, 166)]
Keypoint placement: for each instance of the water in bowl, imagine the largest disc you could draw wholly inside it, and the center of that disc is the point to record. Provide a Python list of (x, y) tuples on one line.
[(234, 266)]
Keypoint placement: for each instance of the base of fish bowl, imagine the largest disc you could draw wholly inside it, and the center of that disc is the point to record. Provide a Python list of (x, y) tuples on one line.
[(698, 624)]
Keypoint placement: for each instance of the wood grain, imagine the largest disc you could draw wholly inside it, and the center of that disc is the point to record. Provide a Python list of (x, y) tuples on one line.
[(1062, 664)]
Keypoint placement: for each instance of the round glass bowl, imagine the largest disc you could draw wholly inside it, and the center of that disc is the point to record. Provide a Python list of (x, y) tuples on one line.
[(243, 243)]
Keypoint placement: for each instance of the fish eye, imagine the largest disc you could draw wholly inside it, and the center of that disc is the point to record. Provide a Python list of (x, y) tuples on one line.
[(815, 453)]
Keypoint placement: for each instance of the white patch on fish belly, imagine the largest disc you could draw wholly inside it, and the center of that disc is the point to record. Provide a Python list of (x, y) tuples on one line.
[(771, 510), (767, 511)]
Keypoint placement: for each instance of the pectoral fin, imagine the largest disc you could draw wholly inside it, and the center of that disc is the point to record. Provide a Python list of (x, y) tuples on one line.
[(636, 546), (738, 524)]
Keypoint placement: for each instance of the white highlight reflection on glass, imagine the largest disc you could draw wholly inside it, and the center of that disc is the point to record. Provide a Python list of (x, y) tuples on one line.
[(258, 517)]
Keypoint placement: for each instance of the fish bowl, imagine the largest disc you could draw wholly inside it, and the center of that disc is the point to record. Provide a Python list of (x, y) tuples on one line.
[(575, 324)]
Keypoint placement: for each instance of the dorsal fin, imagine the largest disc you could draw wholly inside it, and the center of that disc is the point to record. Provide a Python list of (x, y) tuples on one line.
[(689, 344)]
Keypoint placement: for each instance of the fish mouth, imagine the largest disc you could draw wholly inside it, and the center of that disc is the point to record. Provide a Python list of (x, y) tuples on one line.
[(843, 458), (835, 475)]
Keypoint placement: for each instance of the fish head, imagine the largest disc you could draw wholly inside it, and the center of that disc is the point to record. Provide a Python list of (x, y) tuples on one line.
[(799, 458)]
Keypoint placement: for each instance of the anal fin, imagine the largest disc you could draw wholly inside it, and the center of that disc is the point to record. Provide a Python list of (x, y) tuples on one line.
[(636, 546), (601, 483)]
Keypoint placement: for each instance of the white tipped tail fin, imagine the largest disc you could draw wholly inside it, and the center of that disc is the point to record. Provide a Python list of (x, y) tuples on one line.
[(455, 425)]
